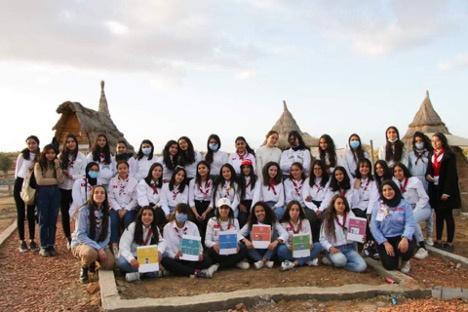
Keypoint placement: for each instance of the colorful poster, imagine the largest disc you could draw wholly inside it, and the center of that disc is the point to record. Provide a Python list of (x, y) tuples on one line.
[(228, 242), (190, 247), (261, 236), (357, 229), (148, 258), (301, 245)]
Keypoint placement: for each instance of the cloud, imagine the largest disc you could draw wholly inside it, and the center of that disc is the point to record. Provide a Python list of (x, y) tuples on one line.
[(458, 62)]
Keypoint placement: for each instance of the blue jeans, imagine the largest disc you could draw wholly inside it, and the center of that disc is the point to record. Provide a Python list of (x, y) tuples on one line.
[(285, 254), (259, 254), (279, 211), (116, 223), (125, 266), (420, 215), (347, 258), (48, 204)]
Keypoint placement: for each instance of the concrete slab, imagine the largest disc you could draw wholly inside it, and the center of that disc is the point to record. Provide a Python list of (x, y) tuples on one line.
[(448, 255), (7, 232), (397, 276), (449, 293)]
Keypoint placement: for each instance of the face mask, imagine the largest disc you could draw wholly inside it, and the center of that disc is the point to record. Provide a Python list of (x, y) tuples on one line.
[(419, 145), (146, 151), (181, 217), (393, 140), (354, 144), (213, 146), (93, 174)]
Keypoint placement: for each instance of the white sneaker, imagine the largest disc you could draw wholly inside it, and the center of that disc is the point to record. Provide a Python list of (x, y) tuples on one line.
[(326, 261), (269, 264), (213, 269), (131, 277), (314, 262), (421, 254), (243, 265), (429, 241), (405, 267), (287, 265), (259, 264)]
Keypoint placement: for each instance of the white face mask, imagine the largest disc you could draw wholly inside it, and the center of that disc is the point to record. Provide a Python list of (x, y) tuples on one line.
[(393, 140), (419, 145)]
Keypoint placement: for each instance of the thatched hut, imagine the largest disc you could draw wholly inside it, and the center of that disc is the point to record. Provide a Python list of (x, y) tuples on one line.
[(285, 124), (87, 123)]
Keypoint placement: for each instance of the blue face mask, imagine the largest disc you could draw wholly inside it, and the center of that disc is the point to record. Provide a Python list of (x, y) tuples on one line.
[(181, 217), (146, 150), (213, 146), (354, 144), (93, 174)]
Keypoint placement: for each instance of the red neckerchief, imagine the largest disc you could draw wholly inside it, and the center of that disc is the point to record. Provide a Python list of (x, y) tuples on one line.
[(122, 185), (342, 191), (241, 156), (403, 186), (342, 225), (227, 187), (367, 184), (299, 228), (148, 236), (184, 230), (297, 186), (318, 186), (436, 161), (206, 189), (271, 186), (175, 192), (102, 157), (154, 186)]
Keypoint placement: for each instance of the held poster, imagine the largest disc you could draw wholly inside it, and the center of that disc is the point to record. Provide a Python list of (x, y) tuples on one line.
[(261, 236), (190, 248), (148, 258)]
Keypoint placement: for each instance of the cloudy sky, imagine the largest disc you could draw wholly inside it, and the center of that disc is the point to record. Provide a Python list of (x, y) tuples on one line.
[(192, 68)]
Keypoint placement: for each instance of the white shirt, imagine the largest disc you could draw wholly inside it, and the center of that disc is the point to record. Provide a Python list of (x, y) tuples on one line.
[(170, 199), (173, 235), (327, 241), (203, 192), (302, 227), (236, 160), (418, 167), (23, 166), (106, 171), (191, 169), (265, 154), (289, 156), (249, 190), (413, 192), (143, 165), (293, 191), (350, 164), (146, 195), (76, 170), (80, 194), (128, 246), (230, 191), (219, 159), (268, 193), (366, 195), (391, 163), (314, 193), (215, 227), (123, 193)]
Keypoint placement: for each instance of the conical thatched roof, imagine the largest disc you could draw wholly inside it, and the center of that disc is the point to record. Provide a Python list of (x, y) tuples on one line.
[(285, 124), (426, 120)]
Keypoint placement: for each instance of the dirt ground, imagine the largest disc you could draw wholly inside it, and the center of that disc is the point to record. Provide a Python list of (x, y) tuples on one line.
[(235, 279), (7, 211)]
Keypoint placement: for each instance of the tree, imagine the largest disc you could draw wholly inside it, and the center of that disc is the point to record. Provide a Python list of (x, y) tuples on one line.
[(5, 163)]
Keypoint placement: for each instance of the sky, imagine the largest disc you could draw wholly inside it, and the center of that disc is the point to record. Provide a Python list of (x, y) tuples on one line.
[(193, 68)]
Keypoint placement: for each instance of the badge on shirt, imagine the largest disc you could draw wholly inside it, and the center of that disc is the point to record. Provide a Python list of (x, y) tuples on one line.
[(382, 213)]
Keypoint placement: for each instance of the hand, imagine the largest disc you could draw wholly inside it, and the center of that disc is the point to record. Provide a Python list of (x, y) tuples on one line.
[(317, 212), (57, 163), (429, 178), (403, 245), (333, 250), (122, 213), (248, 243), (242, 208), (134, 263), (178, 255), (357, 184), (444, 197), (273, 245), (389, 249), (200, 258), (203, 216), (308, 199), (216, 248), (102, 255)]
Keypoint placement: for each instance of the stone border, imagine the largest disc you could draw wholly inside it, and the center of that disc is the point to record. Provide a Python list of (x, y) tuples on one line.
[(450, 293), (397, 276), (7, 232), (448, 255)]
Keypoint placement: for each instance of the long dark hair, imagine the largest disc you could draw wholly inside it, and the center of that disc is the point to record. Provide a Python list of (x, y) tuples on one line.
[(442, 139), (396, 199), (391, 154), (138, 235), (331, 150), (387, 172), (266, 178), (26, 153), (123, 156), (186, 157), (198, 178), (287, 217), (140, 151), (270, 217), (97, 150), (368, 163), (149, 176), (345, 184), (358, 153), (220, 181), (405, 169), (67, 153), (325, 175), (247, 146), (330, 216), (297, 135), (168, 160), (92, 206), (243, 182), (182, 184), (209, 152), (44, 163)]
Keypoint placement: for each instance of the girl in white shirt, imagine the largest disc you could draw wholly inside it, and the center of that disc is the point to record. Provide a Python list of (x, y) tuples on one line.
[(243, 152), (295, 222), (169, 159), (341, 252), (297, 153), (73, 164), (122, 153), (188, 157), (327, 152), (293, 185), (340, 184), (145, 158), (365, 188), (82, 188), (271, 190), (143, 232), (174, 192), (249, 184), (394, 149), (226, 186), (268, 151), (353, 155), (101, 154), (214, 156), (201, 196)]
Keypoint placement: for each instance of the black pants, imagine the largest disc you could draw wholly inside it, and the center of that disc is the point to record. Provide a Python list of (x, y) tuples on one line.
[(65, 202), (201, 207), (228, 261), (184, 268), (21, 213), (315, 223), (445, 215), (244, 216), (391, 263)]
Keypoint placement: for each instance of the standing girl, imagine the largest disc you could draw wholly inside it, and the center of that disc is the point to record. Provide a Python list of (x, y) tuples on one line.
[(394, 149), (243, 152), (92, 234), (272, 190), (48, 175), (201, 196), (341, 252), (214, 157), (381, 172), (188, 157), (248, 185), (24, 166), (122, 153), (353, 155), (144, 158), (327, 152), (444, 193), (73, 165), (101, 154), (262, 214), (268, 151), (295, 222), (226, 186), (82, 188), (298, 152), (174, 192), (340, 184), (169, 159)]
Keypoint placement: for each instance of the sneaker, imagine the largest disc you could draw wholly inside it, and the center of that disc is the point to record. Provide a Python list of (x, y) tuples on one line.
[(23, 247), (150, 275), (202, 274), (44, 252), (313, 262), (421, 254), (213, 269), (259, 264), (405, 267), (84, 275), (438, 245), (326, 261), (33, 246), (132, 277), (287, 265), (375, 256), (52, 251), (447, 247), (243, 265), (429, 241)]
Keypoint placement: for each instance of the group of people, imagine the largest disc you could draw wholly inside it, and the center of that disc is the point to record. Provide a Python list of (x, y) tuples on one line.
[(120, 201)]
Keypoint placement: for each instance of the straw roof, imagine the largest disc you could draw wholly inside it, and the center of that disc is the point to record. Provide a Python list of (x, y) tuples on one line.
[(285, 124)]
